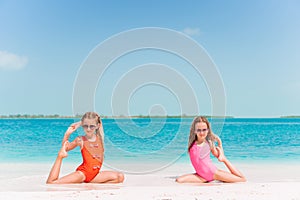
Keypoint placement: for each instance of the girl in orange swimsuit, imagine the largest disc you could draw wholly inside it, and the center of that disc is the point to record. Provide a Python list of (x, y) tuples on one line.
[(201, 144), (91, 146)]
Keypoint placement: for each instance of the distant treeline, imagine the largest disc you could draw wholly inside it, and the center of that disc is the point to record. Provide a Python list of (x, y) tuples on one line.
[(34, 116), (291, 116), (170, 116), (27, 116)]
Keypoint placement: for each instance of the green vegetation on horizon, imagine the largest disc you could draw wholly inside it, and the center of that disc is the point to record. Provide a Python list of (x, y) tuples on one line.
[(40, 116), (56, 116), (291, 116), (34, 116)]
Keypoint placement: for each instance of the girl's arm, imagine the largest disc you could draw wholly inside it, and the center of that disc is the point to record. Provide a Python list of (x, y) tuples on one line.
[(71, 145), (219, 141), (215, 150)]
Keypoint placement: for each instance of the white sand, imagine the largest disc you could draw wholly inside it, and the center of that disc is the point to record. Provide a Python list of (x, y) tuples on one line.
[(265, 181)]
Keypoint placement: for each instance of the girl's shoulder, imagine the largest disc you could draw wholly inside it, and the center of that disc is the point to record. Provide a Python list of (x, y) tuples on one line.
[(194, 145)]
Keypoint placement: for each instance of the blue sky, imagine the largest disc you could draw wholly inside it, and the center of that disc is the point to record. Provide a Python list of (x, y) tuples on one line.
[(254, 44)]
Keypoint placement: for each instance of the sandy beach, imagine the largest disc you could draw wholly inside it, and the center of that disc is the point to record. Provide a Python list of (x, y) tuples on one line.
[(265, 181)]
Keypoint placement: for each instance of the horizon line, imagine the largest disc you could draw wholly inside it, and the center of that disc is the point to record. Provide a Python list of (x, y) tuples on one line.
[(138, 116)]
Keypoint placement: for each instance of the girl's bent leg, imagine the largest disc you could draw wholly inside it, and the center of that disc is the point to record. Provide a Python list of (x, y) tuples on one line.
[(74, 177), (108, 177), (190, 178), (224, 176), (234, 176), (54, 173)]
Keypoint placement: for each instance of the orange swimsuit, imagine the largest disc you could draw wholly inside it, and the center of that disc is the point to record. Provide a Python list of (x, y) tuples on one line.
[(92, 155)]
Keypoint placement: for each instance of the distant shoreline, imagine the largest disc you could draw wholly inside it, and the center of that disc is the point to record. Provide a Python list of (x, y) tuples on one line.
[(26, 116), (56, 116), (292, 116)]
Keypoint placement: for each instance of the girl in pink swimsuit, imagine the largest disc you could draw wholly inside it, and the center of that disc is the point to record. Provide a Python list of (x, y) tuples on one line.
[(91, 146), (201, 144)]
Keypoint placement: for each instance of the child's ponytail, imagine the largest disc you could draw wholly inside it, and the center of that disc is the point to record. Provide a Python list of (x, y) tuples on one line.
[(100, 131)]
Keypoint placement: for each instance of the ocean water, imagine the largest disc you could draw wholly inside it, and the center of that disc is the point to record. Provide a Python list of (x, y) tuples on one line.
[(157, 140)]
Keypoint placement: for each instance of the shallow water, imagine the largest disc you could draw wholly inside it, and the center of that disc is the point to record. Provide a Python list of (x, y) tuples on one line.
[(156, 140)]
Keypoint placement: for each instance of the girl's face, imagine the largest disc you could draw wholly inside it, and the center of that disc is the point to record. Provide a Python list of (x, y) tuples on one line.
[(201, 130), (89, 126)]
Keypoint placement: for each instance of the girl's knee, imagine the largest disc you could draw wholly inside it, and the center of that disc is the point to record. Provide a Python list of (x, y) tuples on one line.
[(120, 177), (117, 177), (243, 179), (179, 180)]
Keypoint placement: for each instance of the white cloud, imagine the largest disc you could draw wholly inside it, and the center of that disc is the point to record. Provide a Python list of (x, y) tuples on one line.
[(10, 61), (191, 31)]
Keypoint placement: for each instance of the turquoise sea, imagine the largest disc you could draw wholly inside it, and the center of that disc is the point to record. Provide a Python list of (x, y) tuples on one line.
[(152, 140)]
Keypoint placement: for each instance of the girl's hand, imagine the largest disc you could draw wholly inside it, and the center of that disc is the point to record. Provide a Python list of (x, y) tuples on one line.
[(73, 127)]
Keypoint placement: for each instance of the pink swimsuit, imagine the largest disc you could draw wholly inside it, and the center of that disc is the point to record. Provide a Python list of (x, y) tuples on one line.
[(200, 158)]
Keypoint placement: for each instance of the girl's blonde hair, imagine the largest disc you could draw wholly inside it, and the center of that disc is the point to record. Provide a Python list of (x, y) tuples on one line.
[(99, 131), (211, 137)]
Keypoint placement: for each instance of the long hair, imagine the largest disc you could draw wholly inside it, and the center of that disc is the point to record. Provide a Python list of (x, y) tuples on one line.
[(99, 131), (210, 138)]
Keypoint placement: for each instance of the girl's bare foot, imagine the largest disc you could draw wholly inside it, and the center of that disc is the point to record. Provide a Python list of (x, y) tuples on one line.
[(63, 151)]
